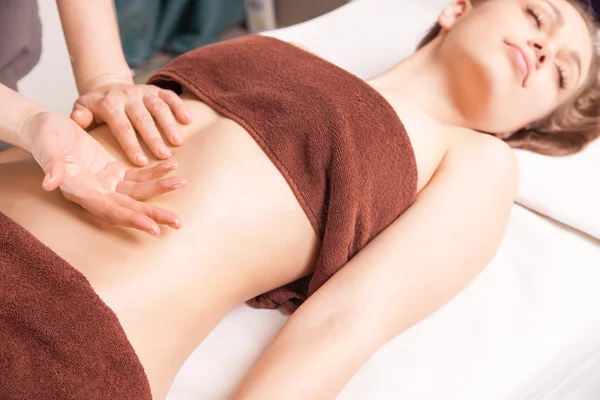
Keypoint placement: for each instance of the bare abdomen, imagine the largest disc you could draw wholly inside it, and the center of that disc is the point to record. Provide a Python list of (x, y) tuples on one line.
[(243, 233)]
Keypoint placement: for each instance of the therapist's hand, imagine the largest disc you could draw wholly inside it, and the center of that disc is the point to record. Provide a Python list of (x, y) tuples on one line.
[(90, 176), (127, 108)]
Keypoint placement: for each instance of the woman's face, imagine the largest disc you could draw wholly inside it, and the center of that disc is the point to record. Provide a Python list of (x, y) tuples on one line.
[(512, 62)]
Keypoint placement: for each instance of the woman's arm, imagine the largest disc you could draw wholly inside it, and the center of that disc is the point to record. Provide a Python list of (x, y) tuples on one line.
[(427, 256)]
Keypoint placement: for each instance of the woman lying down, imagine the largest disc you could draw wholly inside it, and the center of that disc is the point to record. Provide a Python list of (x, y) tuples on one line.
[(361, 206)]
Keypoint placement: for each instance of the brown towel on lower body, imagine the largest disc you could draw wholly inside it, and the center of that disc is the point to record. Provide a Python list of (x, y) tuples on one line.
[(58, 340)]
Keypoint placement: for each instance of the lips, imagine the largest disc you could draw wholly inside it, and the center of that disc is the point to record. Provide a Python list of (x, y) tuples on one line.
[(523, 62)]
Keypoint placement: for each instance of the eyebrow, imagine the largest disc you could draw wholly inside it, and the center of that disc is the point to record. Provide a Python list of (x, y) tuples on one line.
[(559, 16)]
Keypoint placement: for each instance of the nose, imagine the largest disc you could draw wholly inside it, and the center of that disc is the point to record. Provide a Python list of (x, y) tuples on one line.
[(543, 51)]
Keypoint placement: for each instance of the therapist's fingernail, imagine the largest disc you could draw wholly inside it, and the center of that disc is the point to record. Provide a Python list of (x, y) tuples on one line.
[(47, 180), (177, 139), (163, 151), (141, 158), (169, 166), (187, 116)]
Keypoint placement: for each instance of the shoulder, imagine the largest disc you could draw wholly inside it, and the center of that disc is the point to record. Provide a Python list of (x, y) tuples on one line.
[(301, 46), (482, 147), (484, 159)]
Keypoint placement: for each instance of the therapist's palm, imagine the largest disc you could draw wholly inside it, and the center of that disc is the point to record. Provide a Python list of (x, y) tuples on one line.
[(90, 176)]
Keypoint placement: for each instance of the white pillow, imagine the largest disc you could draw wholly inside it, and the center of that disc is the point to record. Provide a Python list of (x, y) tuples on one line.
[(566, 189), (366, 42), (362, 39)]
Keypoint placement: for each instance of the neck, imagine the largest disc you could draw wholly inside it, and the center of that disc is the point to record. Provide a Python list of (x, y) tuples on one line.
[(421, 79)]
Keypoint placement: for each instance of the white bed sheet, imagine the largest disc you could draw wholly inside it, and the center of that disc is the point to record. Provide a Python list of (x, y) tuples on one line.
[(527, 328)]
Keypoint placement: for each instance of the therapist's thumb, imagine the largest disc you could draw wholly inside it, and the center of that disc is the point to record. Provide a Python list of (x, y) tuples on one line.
[(82, 116), (54, 167)]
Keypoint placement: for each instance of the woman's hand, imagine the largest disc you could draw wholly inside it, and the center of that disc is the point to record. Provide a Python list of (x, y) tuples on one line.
[(127, 108), (90, 176)]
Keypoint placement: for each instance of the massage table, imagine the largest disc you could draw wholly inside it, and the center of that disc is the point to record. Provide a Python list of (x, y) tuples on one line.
[(528, 328)]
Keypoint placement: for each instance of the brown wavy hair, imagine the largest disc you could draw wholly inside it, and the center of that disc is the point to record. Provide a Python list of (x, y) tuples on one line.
[(573, 124)]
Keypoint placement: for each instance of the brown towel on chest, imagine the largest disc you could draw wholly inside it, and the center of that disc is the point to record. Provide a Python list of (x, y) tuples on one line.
[(338, 143), (58, 340)]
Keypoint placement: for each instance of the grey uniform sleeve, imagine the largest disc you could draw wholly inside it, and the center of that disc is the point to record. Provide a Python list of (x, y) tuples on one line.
[(20, 42)]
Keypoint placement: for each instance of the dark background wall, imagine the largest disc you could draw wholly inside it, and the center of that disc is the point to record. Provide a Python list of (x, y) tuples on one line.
[(596, 5)]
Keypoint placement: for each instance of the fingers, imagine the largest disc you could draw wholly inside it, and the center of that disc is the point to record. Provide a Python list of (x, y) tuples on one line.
[(128, 109), (146, 127), (164, 117), (113, 212), (82, 116), (119, 124), (148, 174), (144, 216), (176, 104), (122, 210), (109, 107), (147, 183), (147, 190)]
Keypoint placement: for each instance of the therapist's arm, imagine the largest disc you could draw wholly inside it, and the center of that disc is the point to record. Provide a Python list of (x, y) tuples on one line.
[(14, 111), (94, 44), (420, 262), (108, 94)]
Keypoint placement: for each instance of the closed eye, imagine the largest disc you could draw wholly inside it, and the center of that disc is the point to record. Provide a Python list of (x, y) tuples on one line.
[(562, 77), (536, 16)]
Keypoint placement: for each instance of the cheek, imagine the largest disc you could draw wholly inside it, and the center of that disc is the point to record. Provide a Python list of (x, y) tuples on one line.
[(500, 94), (514, 111), (510, 108), (483, 53), (541, 97)]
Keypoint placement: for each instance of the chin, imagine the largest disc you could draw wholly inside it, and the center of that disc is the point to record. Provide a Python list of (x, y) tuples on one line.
[(497, 126), (504, 135)]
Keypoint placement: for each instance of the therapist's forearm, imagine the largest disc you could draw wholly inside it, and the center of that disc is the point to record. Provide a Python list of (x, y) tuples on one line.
[(92, 36), (13, 113)]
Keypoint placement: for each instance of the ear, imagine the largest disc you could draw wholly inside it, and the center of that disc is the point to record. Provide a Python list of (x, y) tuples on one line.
[(453, 12)]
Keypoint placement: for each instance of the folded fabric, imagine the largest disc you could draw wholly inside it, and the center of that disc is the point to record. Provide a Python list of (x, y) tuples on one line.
[(58, 339)]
